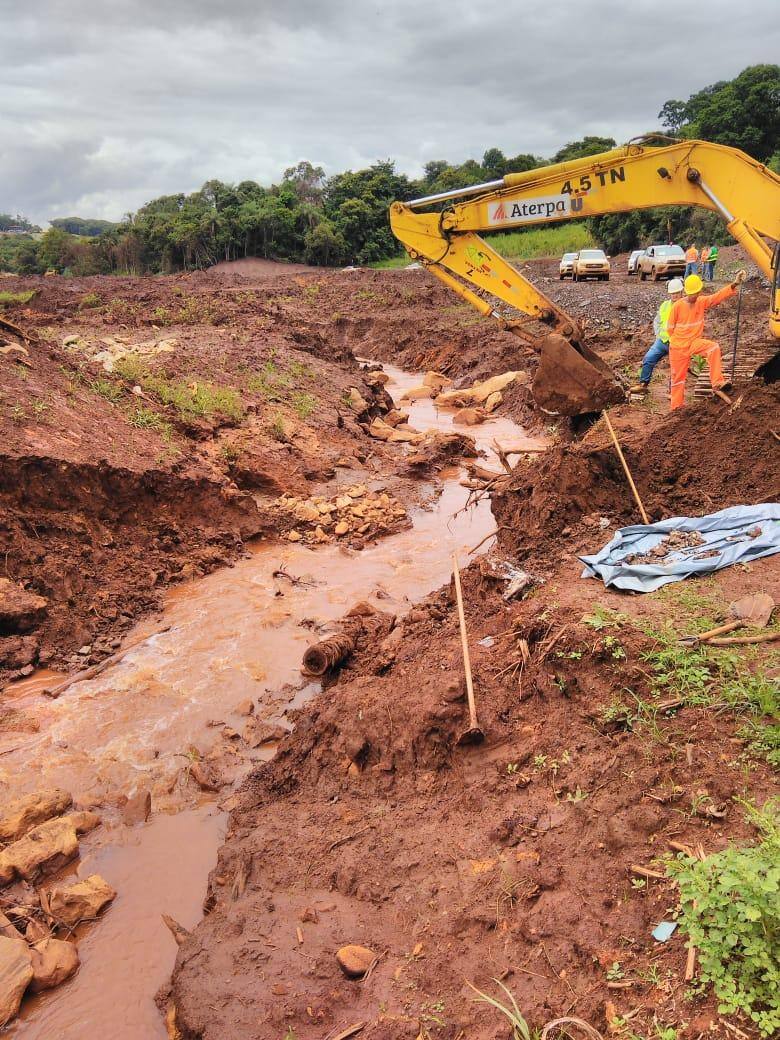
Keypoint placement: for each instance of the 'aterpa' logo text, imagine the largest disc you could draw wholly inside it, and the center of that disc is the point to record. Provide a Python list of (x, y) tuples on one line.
[(543, 208)]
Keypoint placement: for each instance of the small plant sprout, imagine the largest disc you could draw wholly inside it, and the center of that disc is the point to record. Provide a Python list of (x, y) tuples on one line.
[(520, 1029), (615, 973), (577, 796)]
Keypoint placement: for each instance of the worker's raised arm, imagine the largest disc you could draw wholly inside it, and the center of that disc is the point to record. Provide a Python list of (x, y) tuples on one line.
[(718, 297)]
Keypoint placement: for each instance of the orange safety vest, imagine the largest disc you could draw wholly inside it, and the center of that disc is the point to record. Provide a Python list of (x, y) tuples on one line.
[(705, 254), (686, 320), (692, 255)]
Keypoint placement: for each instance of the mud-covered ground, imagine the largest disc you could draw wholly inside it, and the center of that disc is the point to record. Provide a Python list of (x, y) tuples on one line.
[(513, 859)]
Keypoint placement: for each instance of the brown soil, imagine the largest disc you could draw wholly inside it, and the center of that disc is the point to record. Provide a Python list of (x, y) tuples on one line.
[(372, 826)]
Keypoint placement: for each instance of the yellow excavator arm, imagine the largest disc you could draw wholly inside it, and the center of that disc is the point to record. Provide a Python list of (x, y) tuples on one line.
[(636, 176)]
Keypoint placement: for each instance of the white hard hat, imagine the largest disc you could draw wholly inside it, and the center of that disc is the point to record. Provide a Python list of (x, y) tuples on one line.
[(675, 285)]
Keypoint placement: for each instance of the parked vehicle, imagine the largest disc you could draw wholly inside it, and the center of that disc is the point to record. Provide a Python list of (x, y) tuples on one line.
[(590, 263), (661, 262), (567, 265), (633, 260)]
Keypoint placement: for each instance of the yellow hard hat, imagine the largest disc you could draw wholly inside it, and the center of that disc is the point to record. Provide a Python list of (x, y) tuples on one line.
[(693, 284)]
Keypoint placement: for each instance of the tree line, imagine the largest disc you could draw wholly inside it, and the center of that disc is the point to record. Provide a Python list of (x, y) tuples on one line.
[(342, 219)]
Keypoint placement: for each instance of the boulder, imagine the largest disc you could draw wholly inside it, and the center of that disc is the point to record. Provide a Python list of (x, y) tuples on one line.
[(80, 901), (53, 962), (469, 416), (16, 971), (20, 610), (7, 929), (355, 961), (43, 850), (137, 808), (20, 815)]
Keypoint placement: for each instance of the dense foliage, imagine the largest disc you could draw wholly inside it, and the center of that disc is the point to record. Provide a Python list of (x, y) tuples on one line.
[(342, 219), (83, 225), (730, 909)]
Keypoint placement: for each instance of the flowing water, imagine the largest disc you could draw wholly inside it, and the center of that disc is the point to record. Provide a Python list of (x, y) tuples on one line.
[(238, 633)]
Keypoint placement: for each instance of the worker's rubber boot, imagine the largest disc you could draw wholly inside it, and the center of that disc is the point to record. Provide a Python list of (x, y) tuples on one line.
[(640, 389)]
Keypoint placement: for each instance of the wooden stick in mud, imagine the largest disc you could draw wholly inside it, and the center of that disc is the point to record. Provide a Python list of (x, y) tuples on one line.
[(626, 470), (473, 735)]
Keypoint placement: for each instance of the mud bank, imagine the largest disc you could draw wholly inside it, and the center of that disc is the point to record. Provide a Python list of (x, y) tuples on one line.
[(208, 691)]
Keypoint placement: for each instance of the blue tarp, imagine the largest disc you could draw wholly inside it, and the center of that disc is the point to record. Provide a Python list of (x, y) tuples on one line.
[(739, 534)]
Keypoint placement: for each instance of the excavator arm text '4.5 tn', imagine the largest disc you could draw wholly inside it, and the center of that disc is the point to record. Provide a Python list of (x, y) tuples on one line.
[(636, 176)]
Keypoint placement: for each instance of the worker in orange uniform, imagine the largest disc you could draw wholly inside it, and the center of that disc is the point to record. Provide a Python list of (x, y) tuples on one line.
[(685, 327), (691, 260)]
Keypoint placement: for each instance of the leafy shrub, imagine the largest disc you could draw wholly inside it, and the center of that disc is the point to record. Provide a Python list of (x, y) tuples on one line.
[(730, 908)]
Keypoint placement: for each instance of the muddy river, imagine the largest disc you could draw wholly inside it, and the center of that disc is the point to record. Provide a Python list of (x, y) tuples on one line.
[(228, 637)]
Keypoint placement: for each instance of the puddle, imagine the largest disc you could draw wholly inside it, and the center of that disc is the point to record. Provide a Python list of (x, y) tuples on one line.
[(230, 636)]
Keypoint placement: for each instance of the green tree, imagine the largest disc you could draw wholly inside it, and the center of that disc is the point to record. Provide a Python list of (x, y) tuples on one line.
[(324, 245), (587, 146), (494, 163), (743, 112)]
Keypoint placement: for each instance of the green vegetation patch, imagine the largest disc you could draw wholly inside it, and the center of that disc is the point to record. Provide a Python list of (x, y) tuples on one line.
[(16, 297), (543, 241), (190, 397), (730, 910)]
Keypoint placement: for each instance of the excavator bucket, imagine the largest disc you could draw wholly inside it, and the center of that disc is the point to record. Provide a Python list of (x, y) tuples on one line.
[(573, 380)]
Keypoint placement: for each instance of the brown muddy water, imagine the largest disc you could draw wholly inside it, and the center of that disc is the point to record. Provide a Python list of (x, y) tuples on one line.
[(229, 637)]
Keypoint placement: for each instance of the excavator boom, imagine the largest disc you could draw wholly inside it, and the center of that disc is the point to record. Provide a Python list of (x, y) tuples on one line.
[(636, 176)]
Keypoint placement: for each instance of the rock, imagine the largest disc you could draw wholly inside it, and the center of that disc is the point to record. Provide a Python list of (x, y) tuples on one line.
[(356, 401), (206, 776), (341, 528), (35, 931), (84, 821), (137, 808), (20, 610), (493, 401), (80, 901), (16, 971), (362, 609), (416, 393), (355, 961), (293, 536), (436, 380), (395, 418), (53, 961), (19, 815), (257, 733), (7, 929), (245, 707), (43, 850), (469, 416)]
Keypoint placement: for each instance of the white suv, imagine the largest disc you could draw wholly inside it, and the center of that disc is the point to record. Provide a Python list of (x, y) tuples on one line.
[(566, 268)]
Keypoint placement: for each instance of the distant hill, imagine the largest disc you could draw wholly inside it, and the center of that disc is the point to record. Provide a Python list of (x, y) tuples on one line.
[(82, 225)]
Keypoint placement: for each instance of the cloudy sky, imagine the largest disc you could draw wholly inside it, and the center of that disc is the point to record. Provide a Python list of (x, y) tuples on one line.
[(105, 105)]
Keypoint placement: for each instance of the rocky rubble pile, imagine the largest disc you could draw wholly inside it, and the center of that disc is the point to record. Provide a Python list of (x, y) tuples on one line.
[(38, 836), (354, 516)]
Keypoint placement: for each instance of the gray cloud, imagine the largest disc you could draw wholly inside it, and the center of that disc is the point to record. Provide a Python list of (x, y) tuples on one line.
[(106, 105)]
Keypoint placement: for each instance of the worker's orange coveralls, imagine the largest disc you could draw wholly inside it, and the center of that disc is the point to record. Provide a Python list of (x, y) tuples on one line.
[(685, 327)]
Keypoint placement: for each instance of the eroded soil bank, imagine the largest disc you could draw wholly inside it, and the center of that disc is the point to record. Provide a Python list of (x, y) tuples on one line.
[(371, 825)]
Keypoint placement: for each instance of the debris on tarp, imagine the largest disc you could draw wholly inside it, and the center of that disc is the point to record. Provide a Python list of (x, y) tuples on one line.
[(689, 546)]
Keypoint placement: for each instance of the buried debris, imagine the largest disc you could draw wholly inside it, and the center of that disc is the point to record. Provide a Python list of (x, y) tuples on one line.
[(328, 654)]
